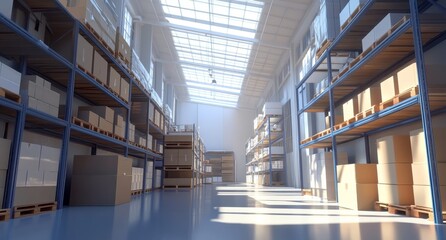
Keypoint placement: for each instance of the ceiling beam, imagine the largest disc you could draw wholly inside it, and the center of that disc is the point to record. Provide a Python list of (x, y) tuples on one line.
[(222, 35), (209, 88)]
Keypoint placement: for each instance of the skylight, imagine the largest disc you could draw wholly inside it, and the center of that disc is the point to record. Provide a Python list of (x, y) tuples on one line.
[(212, 40)]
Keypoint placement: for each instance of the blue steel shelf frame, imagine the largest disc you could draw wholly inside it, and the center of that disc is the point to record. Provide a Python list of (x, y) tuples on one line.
[(422, 99), (22, 111)]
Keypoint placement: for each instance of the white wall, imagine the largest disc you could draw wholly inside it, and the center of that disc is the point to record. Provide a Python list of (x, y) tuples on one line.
[(220, 128)]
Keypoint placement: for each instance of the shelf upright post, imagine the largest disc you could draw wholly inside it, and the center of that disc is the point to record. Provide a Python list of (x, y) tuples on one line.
[(127, 125), (284, 149), (14, 156), (144, 174), (270, 148), (425, 113), (367, 148), (62, 174), (153, 174), (299, 151), (332, 121)]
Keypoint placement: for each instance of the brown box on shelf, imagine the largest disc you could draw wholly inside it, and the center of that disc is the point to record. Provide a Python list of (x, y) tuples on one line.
[(357, 173), (105, 125), (394, 149), (124, 89), (89, 117), (394, 173), (178, 138), (84, 55), (119, 131), (102, 111), (114, 80), (102, 165), (151, 112), (418, 145), (350, 109), (178, 182), (34, 195), (357, 196), (157, 118), (171, 157), (186, 157), (420, 173), (407, 77), (100, 189), (368, 98), (389, 89), (122, 47), (423, 197), (396, 194), (100, 67)]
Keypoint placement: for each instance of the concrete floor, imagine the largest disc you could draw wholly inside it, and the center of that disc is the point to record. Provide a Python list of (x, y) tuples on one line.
[(220, 212)]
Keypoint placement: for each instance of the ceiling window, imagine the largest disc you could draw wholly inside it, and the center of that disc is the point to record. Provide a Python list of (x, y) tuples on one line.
[(213, 40)]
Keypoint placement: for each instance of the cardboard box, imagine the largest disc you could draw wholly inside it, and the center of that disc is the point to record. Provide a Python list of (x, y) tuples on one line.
[(84, 57), (119, 120), (114, 80), (389, 89), (357, 173), (407, 78), (171, 157), (5, 148), (40, 92), (49, 159), (102, 111), (52, 98), (368, 98), (394, 173), (394, 149), (124, 90), (186, 157), (9, 78), (272, 108), (178, 138), (29, 156), (420, 173), (6, 10), (396, 194), (350, 109), (423, 197), (89, 117), (50, 178), (120, 131), (157, 118), (34, 195), (368, 40), (105, 125), (100, 189), (122, 47), (178, 182), (27, 86), (102, 165), (34, 178), (32, 103), (357, 196), (100, 66), (387, 23), (418, 145)]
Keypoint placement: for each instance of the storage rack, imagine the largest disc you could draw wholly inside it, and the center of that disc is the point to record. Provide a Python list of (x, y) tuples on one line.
[(221, 167), (405, 41), (269, 133), (35, 57)]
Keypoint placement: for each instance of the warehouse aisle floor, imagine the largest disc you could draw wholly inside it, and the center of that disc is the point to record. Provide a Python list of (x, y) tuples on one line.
[(227, 212)]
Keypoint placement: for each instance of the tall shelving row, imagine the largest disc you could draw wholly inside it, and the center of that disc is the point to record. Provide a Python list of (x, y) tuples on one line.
[(353, 65), (55, 59), (265, 158)]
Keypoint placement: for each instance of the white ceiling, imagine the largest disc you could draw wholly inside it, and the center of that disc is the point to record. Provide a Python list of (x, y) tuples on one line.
[(278, 23)]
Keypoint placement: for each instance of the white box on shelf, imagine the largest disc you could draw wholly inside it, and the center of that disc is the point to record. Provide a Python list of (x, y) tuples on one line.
[(29, 156), (387, 23), (34, 178), (9, 78), (49, 159), (344, 14), (50, 178)]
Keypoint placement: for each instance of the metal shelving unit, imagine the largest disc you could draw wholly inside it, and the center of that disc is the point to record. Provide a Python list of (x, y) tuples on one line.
[(406, 40), (37, 58), (270, 131)]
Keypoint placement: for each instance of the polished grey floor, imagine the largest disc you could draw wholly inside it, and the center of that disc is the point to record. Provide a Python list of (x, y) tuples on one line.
[(220, 212)]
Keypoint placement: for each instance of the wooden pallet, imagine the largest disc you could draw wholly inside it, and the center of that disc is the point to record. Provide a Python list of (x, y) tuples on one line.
[(393, 209), (344, 124), (399, 98), (84, 124), (89, 73), (183, 167), (352, 15), (390, 31), (366, 113), (9, 95), (138, 145), (4, 215), (33, 209), (123, 60), (324, 46), (99, 38), (424, 212), (136, 192)]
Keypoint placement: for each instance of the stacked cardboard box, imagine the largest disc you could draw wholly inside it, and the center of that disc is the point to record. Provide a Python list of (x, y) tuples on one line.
[(227, 168), (381, 29), (357, 186), (84, 55), (100, 15), (158, 175), (37, 171), (149, 175), (368, 98), (101, 180), (389, 88), (5, 147), (350, 8), (350, 109), (407, 77), (394, 170), (322, 174), (257, 121), (272, 108), (9, 79), (326, 22), (420, 171), (119, 122), (157, 118), (137, 178), (141, 73), (114, 80), (105, 114), (123, 49), (124, 89), (100, 68), (131, 132), (38, 94)]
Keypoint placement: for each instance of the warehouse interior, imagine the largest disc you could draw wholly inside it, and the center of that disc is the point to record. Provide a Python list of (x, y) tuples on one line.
[(222, 119)]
